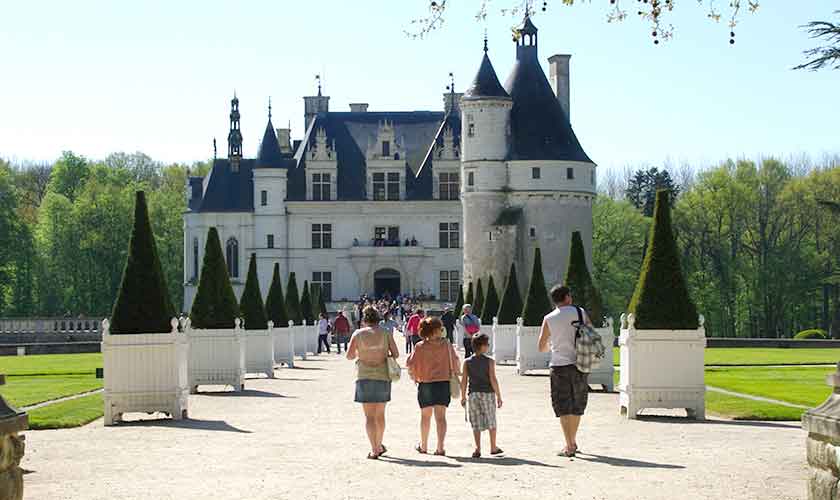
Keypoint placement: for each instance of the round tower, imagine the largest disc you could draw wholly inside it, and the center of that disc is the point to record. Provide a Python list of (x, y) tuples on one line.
[(485, 129)]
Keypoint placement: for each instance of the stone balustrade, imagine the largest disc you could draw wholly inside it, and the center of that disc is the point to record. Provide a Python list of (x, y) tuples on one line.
[(50, 325)]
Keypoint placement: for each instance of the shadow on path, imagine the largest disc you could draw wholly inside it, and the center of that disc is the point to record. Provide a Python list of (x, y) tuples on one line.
[(298, 367), (506, 461), (190, 423), (664, 419), (247, 393), (624, 462), (417, 463), (292, 379)]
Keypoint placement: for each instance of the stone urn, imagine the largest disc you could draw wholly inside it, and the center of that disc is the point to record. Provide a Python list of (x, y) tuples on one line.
[(12, 422)]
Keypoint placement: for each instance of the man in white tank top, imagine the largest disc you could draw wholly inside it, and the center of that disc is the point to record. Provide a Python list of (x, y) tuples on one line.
[(569, 386)]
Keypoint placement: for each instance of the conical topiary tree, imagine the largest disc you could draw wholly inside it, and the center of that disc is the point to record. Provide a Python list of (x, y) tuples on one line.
[(580, 283), (511, 305), (215, 303), (459, 302), (661, 300), (470, 295), (143, 304), (491, 303), (322, 306), (478, 305), (306, 303), (317, 303), (293, 301), (275, 303), (537, 304), (251, 304)]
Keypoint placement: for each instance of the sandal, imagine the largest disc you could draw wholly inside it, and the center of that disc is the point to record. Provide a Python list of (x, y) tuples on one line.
[(420, 450), (440, 453), (372, 456), (383, 450), (567, 453), (476, 454), (497, 451)]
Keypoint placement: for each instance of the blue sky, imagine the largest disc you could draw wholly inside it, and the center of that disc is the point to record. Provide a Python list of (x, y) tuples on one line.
[(157, 76)]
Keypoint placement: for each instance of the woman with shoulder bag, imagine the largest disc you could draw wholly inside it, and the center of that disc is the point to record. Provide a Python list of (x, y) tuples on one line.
[(471, 325), (435, 367), (376, 352)]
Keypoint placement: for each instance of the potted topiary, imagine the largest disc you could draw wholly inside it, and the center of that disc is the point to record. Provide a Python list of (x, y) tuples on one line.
[(504, 331), (478, 309), (144, 355), (587, 296), (259, 344), (662, 338), (217, 346), (537, 305), (306, 339), (293, 301), (275, 309)]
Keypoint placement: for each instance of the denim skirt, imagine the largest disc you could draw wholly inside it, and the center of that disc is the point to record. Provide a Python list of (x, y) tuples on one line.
[(433, 394), (373, 391)]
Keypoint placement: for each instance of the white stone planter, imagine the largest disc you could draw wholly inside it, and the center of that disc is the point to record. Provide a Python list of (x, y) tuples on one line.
[(305, 339), (604, 374), (661, 369), (284, 345), (259, 351), (145, 373), (528, 355), (458, 334), (217, 357), (503, 342)]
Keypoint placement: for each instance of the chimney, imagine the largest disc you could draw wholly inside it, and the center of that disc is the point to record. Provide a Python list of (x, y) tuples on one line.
[(313, 105), (558, 72), (452, 101), (358, 107), (284, 137)]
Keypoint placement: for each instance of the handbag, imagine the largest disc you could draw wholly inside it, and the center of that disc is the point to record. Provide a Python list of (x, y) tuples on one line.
[(454, 381), (394, 368)]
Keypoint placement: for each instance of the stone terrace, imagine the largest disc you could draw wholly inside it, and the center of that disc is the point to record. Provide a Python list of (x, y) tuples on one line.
[(302, 437)]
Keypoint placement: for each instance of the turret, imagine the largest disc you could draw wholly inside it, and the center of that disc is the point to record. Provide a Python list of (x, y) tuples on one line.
[(234, 136), (485, 115)]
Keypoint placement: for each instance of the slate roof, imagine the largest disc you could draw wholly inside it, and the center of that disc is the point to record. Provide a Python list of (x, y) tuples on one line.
[(452, 120), (486, 83), (228, 191), (352, 132), (270, 154)]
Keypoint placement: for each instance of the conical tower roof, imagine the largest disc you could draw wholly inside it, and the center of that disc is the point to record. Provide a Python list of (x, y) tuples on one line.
[(269, 154), (486, 83)]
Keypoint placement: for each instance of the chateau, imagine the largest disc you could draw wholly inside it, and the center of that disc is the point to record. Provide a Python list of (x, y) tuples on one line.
[(405, 202)]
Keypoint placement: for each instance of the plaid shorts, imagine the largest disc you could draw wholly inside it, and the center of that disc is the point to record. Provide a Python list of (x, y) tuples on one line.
[(569, 390), (482, 406)]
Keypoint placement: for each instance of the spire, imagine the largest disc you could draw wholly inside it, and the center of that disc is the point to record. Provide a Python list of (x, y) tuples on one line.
[(318, 79), (270, 154), (486, 83), (526, 38), (235, 135), (485, 41), (269, 108)]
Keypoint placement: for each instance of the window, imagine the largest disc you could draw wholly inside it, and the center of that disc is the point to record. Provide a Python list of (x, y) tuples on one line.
[(263, 198), (449, 285), (386, 186), (386, 235), (592, 177), (195, 260), (386, 148), (449, 186), (269, 241), (449, 236), (471, 130), (321, 235), (532, 232), (323, 280), (535, 173), (471, 179), (490, 236), (232, 254), (570, 173), (321, 187)]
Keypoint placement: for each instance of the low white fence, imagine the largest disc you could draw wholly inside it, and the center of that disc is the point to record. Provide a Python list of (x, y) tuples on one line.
[(305, 339), (503, 342), (217, 357), (284, 345), (259, 351)]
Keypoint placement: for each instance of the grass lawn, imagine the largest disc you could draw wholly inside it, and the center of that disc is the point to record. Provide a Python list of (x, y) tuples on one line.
[(25, 391), (724, 356), (799, 385), (51, 364), (736, 408), (71, 413)]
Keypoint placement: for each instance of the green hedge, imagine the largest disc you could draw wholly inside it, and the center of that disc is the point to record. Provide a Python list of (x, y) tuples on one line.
[(537, 304), (511, 306), (459, 302), (306, 304), (470, 295), (491, 303), (251, 303), (661, 300), (478, 306), (814, 333), (143, 304), (579, 281), (275, 303), (293, 301), (215, 303)]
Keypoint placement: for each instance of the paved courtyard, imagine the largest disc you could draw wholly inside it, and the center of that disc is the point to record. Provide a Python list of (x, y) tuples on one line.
[(300, 436)]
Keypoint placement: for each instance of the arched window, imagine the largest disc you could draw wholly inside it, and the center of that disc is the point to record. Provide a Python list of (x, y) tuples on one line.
[(195, 260), (232, 255)]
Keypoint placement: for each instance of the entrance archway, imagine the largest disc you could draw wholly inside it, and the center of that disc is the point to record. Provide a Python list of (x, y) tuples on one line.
[(386, 281)]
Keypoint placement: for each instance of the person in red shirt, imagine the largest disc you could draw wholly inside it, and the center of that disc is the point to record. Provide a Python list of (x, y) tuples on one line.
[(341, 325), (412, 329)]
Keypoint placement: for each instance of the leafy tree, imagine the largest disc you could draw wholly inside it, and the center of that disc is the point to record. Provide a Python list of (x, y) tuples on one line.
[(215, 303), (293, 305), (511, 305), (661, 300), (642, 188), (491, 303), (306, 304), (459, 302), (275, 303), (579, 280), (69, 175), (8, 229), (470, 295), (251, 303), (479, 299), (143, 304), (537, 304), (828, 55)]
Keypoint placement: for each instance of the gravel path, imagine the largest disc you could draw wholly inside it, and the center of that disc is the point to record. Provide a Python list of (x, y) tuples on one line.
[(301, 437)]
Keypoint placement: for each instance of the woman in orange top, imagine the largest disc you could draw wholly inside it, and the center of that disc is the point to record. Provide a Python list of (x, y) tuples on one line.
[(431, 365)]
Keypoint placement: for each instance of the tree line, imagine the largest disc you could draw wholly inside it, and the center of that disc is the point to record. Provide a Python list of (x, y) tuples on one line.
[(759, 241)]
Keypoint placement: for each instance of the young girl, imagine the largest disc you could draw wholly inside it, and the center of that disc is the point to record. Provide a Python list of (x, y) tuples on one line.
[(484, 395)]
